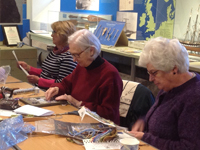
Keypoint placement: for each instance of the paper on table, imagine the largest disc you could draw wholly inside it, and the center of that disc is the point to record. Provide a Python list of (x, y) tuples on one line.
[(20, 65), (33, 110), (7, 113)]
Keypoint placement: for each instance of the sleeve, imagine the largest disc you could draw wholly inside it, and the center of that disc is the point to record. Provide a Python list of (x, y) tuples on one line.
[(45, 82), (66, 67), (108, 100), (188, 130), (35, 71)]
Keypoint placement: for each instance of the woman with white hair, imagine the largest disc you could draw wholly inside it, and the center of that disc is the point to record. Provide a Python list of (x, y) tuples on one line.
[(94, 83), (173, 122)]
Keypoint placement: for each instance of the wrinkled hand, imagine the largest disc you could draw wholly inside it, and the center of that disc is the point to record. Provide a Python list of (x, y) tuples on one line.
[(33, 79), (24, 65), (70, 99), (51, 92), (138, 126)]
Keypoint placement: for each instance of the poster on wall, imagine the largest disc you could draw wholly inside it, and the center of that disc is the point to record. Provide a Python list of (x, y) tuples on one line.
[(13, 15), (126, 5), (130, 19), (87, 5)]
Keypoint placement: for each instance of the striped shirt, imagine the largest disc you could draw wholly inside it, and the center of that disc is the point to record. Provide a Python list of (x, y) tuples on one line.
[(57, 66)]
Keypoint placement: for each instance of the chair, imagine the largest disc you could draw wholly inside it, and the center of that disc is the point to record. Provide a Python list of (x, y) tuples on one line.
[(135, 101)]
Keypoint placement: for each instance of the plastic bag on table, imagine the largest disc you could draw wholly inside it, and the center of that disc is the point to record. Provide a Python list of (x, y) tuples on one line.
[(13, 131), (4, 72), (76, 131)]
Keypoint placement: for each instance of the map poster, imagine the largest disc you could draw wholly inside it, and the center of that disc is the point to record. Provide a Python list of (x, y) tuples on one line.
[(155, 18), (126, 5)]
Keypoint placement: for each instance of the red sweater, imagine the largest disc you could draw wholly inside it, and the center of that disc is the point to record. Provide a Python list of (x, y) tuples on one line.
[(99, 89)]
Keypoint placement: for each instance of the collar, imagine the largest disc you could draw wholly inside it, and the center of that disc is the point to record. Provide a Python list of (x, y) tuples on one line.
[(57, 51), (96, 63)]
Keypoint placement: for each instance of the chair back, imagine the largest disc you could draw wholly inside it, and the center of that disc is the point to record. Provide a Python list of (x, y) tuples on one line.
[(135, 101)]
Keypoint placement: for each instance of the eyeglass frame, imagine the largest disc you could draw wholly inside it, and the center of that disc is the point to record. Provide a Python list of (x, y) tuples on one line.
[(77, 55), (53, 32), (154, 73)]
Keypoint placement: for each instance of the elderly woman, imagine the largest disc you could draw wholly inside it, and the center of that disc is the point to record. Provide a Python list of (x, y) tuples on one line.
[(95, 83), (173, 122), (59, 63)]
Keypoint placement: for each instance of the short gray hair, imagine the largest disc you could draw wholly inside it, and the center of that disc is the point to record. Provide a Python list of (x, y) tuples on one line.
[(84, 38), (164, 54)]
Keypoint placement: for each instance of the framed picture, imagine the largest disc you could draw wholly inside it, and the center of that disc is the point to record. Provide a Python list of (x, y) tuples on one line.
[(11, 35)]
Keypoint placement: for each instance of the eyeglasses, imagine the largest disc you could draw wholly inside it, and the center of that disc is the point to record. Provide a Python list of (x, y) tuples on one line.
[(153, 73), (53, 32), (77, 55)]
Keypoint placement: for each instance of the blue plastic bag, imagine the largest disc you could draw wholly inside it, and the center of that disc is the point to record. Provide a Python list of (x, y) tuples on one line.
[(13, 131)]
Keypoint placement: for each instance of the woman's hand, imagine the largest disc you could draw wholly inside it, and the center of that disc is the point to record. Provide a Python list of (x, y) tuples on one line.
[(33, 79), (138, 126), (51, 92), (24, 65), (70, 99), (136, 134)]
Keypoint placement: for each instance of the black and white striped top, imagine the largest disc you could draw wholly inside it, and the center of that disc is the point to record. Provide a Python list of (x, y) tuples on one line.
[(57, 66)]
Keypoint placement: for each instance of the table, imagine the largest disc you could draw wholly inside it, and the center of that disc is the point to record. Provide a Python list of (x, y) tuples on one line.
[(132, 53), (43, 38), (53, 142), (11, 79)]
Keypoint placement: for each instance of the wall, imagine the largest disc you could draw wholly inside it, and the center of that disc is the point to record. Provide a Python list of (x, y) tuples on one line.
[(25, 27), (109, 7), (155, 17)]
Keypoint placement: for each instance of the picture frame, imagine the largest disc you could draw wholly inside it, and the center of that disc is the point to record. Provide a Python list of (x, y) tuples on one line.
[(11, 35)]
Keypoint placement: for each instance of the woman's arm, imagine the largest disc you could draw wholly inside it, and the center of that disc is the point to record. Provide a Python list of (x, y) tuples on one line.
[(35, 71)]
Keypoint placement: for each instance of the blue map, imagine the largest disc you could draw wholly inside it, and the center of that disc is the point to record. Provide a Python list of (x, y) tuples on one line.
[(155, 18)]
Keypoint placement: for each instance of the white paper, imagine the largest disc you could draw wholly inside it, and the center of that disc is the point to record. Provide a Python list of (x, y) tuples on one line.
[(7, 113), (85, 111), (33, 110), (100, 145), (20, 65)]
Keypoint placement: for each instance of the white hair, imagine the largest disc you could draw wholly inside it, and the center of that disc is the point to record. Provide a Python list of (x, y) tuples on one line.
[(164, 54), (83, 39)]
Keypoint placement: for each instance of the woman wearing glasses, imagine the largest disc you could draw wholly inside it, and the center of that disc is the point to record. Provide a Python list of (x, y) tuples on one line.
[(173, 122), (59, 63), (94, 83)]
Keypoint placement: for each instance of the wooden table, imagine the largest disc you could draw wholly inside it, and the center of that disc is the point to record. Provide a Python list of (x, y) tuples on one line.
[(57, 142), (53, 142), (23, 85), (11, 79)]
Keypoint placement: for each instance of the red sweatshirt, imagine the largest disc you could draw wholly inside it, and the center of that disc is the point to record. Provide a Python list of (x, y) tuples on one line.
[(99, 89)]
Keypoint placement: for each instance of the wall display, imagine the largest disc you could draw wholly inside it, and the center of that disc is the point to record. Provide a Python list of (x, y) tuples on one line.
[(87, 5), (187, 28), (81, 20), (155, 18), (130, 19), (11, 34), (11, 12), (191, 40), (126, 5), (109, 32)]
